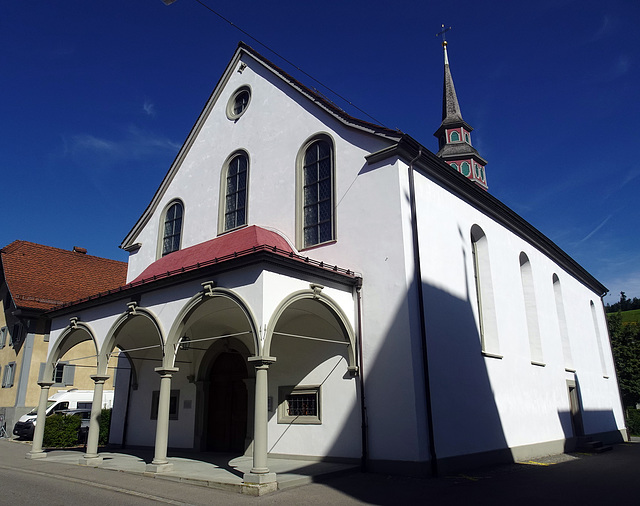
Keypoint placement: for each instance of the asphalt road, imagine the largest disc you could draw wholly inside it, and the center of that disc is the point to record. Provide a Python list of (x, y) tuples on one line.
[(581, 479)]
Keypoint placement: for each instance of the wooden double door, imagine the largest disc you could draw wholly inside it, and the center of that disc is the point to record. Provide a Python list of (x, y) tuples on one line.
[(228, 404)]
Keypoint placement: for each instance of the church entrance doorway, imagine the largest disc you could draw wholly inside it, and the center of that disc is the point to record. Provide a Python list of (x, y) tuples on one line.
[(228, 399), (574, 406)]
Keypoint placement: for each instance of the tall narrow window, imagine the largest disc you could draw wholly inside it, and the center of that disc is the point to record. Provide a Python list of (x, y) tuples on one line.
[(317, 194), (455, 137), (487, 322), (531, 310), (235, 207), (596, 327), (562, 324), (172, 229)]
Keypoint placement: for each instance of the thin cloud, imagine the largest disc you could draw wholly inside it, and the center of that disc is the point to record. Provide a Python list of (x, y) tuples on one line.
[(606, 28), (620, 67), (149, 108), (135, 144), (602, 224)]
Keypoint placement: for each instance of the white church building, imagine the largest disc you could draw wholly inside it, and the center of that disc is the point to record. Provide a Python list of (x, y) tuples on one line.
[(307, 284)]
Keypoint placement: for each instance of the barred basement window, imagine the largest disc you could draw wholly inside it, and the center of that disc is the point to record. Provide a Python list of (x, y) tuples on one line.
[(299, 405)]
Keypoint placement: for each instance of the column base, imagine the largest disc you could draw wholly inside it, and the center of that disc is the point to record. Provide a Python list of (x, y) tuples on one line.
[(259, 479), (35, 455), (91, 460), (159, 468), (259, 484)]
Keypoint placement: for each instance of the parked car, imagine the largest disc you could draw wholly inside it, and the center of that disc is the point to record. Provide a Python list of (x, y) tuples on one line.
[(61, 401)]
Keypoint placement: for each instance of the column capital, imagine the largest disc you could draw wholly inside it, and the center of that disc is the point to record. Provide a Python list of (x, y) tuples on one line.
[(166, 371), (261, 361), (45, 384), (99, 378)]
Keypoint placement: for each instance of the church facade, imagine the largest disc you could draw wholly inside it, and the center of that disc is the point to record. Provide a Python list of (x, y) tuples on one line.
[(304, 283)]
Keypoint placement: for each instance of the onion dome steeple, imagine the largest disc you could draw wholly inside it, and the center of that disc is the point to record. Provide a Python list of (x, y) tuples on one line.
[(454, 134)]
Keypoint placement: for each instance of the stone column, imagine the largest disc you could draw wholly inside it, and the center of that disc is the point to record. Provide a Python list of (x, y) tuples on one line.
[(36, 447), (91, 458), (160, 463), (260, 471)]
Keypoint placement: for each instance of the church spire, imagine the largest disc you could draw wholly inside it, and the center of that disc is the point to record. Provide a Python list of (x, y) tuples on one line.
[(454, 133)]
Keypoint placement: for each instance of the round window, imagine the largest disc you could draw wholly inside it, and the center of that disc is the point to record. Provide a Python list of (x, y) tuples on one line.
[(238, 102)]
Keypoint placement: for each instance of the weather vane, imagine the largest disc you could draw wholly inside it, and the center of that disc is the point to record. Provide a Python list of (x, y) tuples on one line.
[(443, 32)]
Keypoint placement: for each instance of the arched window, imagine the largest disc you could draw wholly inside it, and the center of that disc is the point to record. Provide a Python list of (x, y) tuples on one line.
[(316, 194), (484, 292), (455, 136), (465, 168), (596, 327), (454, 166), (235, 197), (531, 310), (172, 229), (562, 324)]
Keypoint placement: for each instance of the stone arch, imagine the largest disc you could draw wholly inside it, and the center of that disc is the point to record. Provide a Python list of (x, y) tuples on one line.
[(75, 333), (314, 295), (209, 292), (141, 316)]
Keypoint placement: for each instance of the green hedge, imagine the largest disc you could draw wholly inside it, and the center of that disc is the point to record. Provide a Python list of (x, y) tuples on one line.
[(633, 421), (61, 431), (105, 423)]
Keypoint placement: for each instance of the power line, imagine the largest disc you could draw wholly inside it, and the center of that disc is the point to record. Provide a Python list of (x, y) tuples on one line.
[(289, 62)]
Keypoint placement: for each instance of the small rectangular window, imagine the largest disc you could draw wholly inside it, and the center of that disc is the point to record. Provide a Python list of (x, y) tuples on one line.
[(9, 375), (64, 374), (173, 404), (3, 336), (299, 405)]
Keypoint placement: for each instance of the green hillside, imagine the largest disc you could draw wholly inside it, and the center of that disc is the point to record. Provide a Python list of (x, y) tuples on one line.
[(631, 316)]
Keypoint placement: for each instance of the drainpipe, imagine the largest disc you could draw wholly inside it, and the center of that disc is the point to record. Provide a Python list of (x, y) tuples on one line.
[(363, 408), (423, 327)]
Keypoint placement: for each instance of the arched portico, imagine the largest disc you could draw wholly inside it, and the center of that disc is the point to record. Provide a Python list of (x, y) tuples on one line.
[(75, 333), (312, 315), (211, 314), (139, 333)]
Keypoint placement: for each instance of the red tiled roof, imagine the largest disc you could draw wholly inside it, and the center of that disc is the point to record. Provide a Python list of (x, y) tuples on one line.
[(240, 243), (42, 277), (223, 247)]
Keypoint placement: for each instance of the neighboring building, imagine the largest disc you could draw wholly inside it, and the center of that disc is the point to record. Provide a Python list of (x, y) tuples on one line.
[(33, 279), (306, 283)]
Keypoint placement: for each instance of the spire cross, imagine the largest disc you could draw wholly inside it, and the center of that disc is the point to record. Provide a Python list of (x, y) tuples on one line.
[(443, 32)]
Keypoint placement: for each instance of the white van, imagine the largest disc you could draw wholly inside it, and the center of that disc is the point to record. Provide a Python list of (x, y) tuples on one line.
[(61, 401)]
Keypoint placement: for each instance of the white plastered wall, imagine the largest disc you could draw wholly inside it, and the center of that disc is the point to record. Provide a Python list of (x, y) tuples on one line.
[(487, 403)]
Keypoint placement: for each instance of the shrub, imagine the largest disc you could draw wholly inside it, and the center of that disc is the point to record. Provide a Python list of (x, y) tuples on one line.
[(61, 431), (633, 421), (105, 423)]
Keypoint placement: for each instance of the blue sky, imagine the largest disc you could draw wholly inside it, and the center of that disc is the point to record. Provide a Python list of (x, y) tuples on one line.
[(97, 98)]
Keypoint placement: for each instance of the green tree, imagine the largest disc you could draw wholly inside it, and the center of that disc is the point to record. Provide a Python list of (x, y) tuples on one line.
[(625, 343)]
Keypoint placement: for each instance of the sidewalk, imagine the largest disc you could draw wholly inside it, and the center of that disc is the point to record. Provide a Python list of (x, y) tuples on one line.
[(569, 479), (215, 470)]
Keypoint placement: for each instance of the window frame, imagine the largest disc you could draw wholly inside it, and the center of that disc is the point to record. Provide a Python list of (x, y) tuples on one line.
[(231, 104), (9, 375), (222, 207), (300, 193), (531, 310), (161, 228), (67, 374), (284, 392), (3, 336), (483, 289), (174, 402)]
